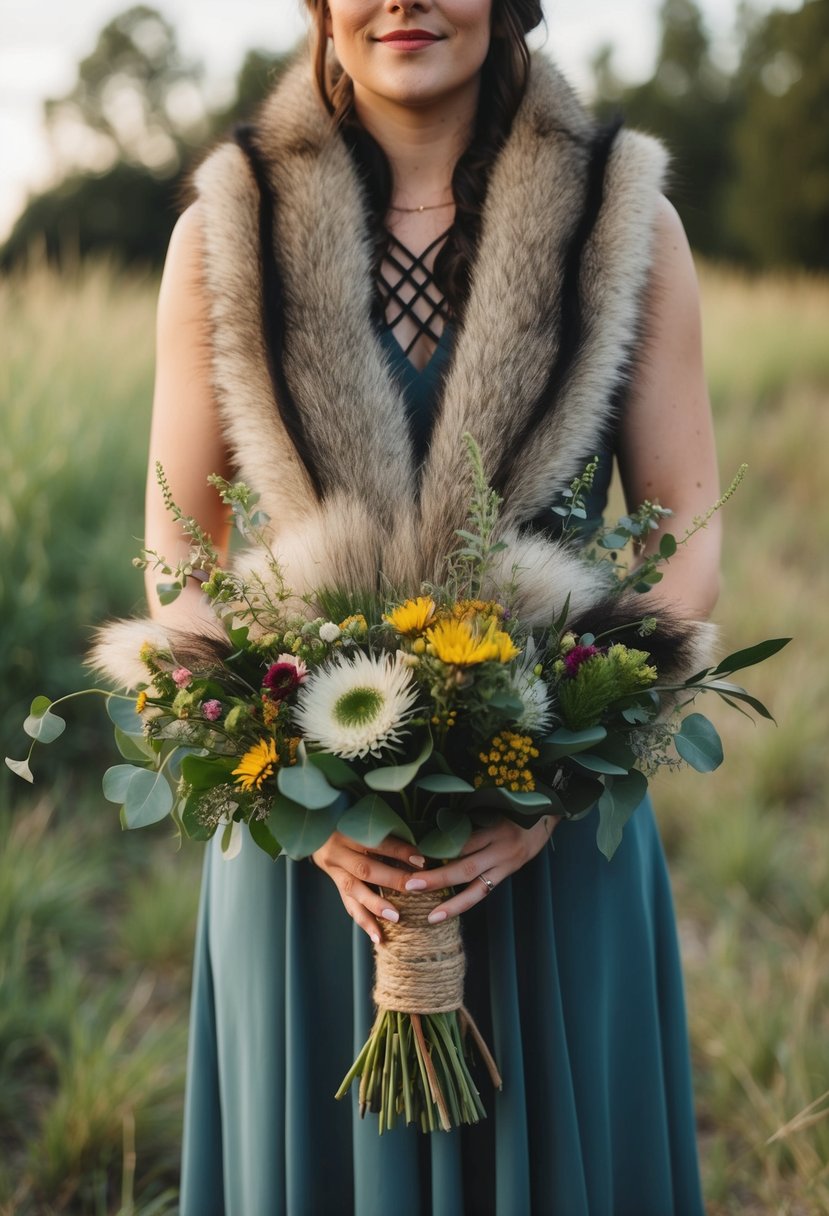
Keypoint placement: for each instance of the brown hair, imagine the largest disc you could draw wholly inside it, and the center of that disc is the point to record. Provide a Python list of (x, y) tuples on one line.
[(504, 77)]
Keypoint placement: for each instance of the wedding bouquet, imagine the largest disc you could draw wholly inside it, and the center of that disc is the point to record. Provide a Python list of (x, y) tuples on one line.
[(421, 716)]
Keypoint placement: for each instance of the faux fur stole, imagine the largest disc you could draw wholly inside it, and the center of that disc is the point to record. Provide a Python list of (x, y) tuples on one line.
[(310, 409), (314, 417)]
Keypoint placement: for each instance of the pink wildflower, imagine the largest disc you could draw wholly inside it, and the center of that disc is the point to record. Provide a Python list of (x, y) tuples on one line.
[(212, 710), (578, 655), (182, 677), (299, 664), (281, 679)]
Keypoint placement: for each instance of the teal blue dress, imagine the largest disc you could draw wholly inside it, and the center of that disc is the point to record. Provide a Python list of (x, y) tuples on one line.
[(574, 976)]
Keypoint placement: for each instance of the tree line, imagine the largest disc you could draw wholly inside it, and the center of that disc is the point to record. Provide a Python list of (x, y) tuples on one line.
[(749, 145)]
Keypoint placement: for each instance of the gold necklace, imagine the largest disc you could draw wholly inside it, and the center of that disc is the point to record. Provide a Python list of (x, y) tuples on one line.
[(422, 207)]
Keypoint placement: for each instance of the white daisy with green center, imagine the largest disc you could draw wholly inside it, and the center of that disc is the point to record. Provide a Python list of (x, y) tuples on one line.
[(356, 706)]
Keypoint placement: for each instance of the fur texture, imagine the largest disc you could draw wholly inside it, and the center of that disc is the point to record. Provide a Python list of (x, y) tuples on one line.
[(312, 414)]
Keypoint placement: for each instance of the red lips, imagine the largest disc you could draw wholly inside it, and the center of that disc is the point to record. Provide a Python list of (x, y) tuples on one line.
[(410, 36)]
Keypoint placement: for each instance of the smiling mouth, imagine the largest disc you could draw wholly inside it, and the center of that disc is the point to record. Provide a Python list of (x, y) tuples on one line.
[(410, 37)]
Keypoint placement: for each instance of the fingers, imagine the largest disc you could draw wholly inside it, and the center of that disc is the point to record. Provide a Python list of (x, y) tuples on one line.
[(459, 871), (469, 896), (363, 905)]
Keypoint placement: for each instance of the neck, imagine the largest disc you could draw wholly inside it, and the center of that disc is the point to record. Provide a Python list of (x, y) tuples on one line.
[(423, 142)]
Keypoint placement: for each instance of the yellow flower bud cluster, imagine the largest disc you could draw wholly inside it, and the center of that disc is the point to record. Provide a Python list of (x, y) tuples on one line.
[(444, 718), (507, 762), (467, 610)]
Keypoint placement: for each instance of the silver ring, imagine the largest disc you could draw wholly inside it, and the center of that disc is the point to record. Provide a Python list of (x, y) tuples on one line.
[(490, 886)]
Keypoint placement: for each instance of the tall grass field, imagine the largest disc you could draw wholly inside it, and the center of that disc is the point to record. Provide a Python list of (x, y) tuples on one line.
[(96, 926)]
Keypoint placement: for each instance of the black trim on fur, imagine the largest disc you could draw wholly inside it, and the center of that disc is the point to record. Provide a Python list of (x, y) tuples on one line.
[(274, 321), (571, 324), (670, 646)]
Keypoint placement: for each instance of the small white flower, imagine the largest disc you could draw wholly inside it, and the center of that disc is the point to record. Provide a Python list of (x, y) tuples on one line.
[(354, 707), (534, 694), (329, 632)]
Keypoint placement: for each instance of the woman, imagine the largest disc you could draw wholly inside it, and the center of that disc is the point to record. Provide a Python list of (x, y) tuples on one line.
[(461, 248)]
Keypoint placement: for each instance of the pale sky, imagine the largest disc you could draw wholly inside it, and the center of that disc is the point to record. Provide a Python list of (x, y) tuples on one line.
[(41, 42)]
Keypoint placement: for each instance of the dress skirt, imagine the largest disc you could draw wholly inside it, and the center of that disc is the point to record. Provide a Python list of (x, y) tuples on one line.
[(574, 977)]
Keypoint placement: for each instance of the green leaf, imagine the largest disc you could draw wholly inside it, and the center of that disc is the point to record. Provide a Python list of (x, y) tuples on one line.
[(121, 711), (204, 772), (565, 742), (748, 657), (306, 784), (131, 747), (21, 768), (195, 829), (614, 540), (299, 831), (448, 838), (727, 691), (41, 724), (168, 592), (507, 703), (371, 820), (699, 744), (335, 770), (177, 755), (115, 782), (149, 798), (667, 545), (598, 764), (397, 777), (262, 835), (525, 803), (618, 801), (581, 794), (444, 783), (231, 841)]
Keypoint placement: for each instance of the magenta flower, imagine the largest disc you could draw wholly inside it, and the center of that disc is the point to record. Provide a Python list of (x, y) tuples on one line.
[(212, 710), (299, 664), (182, 677), (578, 655), (281, 679)]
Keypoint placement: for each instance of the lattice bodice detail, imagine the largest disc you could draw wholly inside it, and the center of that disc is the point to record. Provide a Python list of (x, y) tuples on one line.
[(411, 304)]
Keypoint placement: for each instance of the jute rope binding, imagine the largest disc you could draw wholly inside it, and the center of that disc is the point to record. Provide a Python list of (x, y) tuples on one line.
[(420, 968)]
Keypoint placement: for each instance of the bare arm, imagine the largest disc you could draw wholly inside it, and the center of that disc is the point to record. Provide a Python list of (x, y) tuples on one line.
[(185, 435), (666, 451)]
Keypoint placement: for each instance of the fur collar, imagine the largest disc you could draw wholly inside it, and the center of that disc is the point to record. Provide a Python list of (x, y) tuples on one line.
[(310, 410)]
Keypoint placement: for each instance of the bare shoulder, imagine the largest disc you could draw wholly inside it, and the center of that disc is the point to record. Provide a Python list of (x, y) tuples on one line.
[(182, 296), (674, 293)]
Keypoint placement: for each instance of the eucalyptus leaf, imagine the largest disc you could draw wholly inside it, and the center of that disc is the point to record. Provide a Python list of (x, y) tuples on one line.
[(507, 703), (41, 724), (177, 757), (131, 747), (563, 742), (444, 783), (121, 711), (667, 545), (618, 801), (748, 657), (299, 831), (728, 691), (614, 540), (21, 768), (307, 785), (598, 764), (335, 770), (168, 592), (149, 798), (448, 838), (525, 802), (699, 744), (115, 782), (581, 794), (371, 820), (264, 837), (396, 777)]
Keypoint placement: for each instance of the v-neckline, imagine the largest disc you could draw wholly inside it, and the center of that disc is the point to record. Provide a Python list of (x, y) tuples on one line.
[(414, 370), (416, 262)]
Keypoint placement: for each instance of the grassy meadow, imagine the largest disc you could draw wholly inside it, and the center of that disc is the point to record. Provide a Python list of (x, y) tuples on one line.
[(96, 926)]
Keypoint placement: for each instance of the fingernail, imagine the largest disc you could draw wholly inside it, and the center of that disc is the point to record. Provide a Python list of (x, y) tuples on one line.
[(375, 937), (390, 914), (436, 916), (416, 884), (417, 860)]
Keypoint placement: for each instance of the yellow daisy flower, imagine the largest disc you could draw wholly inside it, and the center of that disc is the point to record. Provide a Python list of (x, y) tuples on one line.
[(141, 701), (256, 765), (412, 617), (456, 642)]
